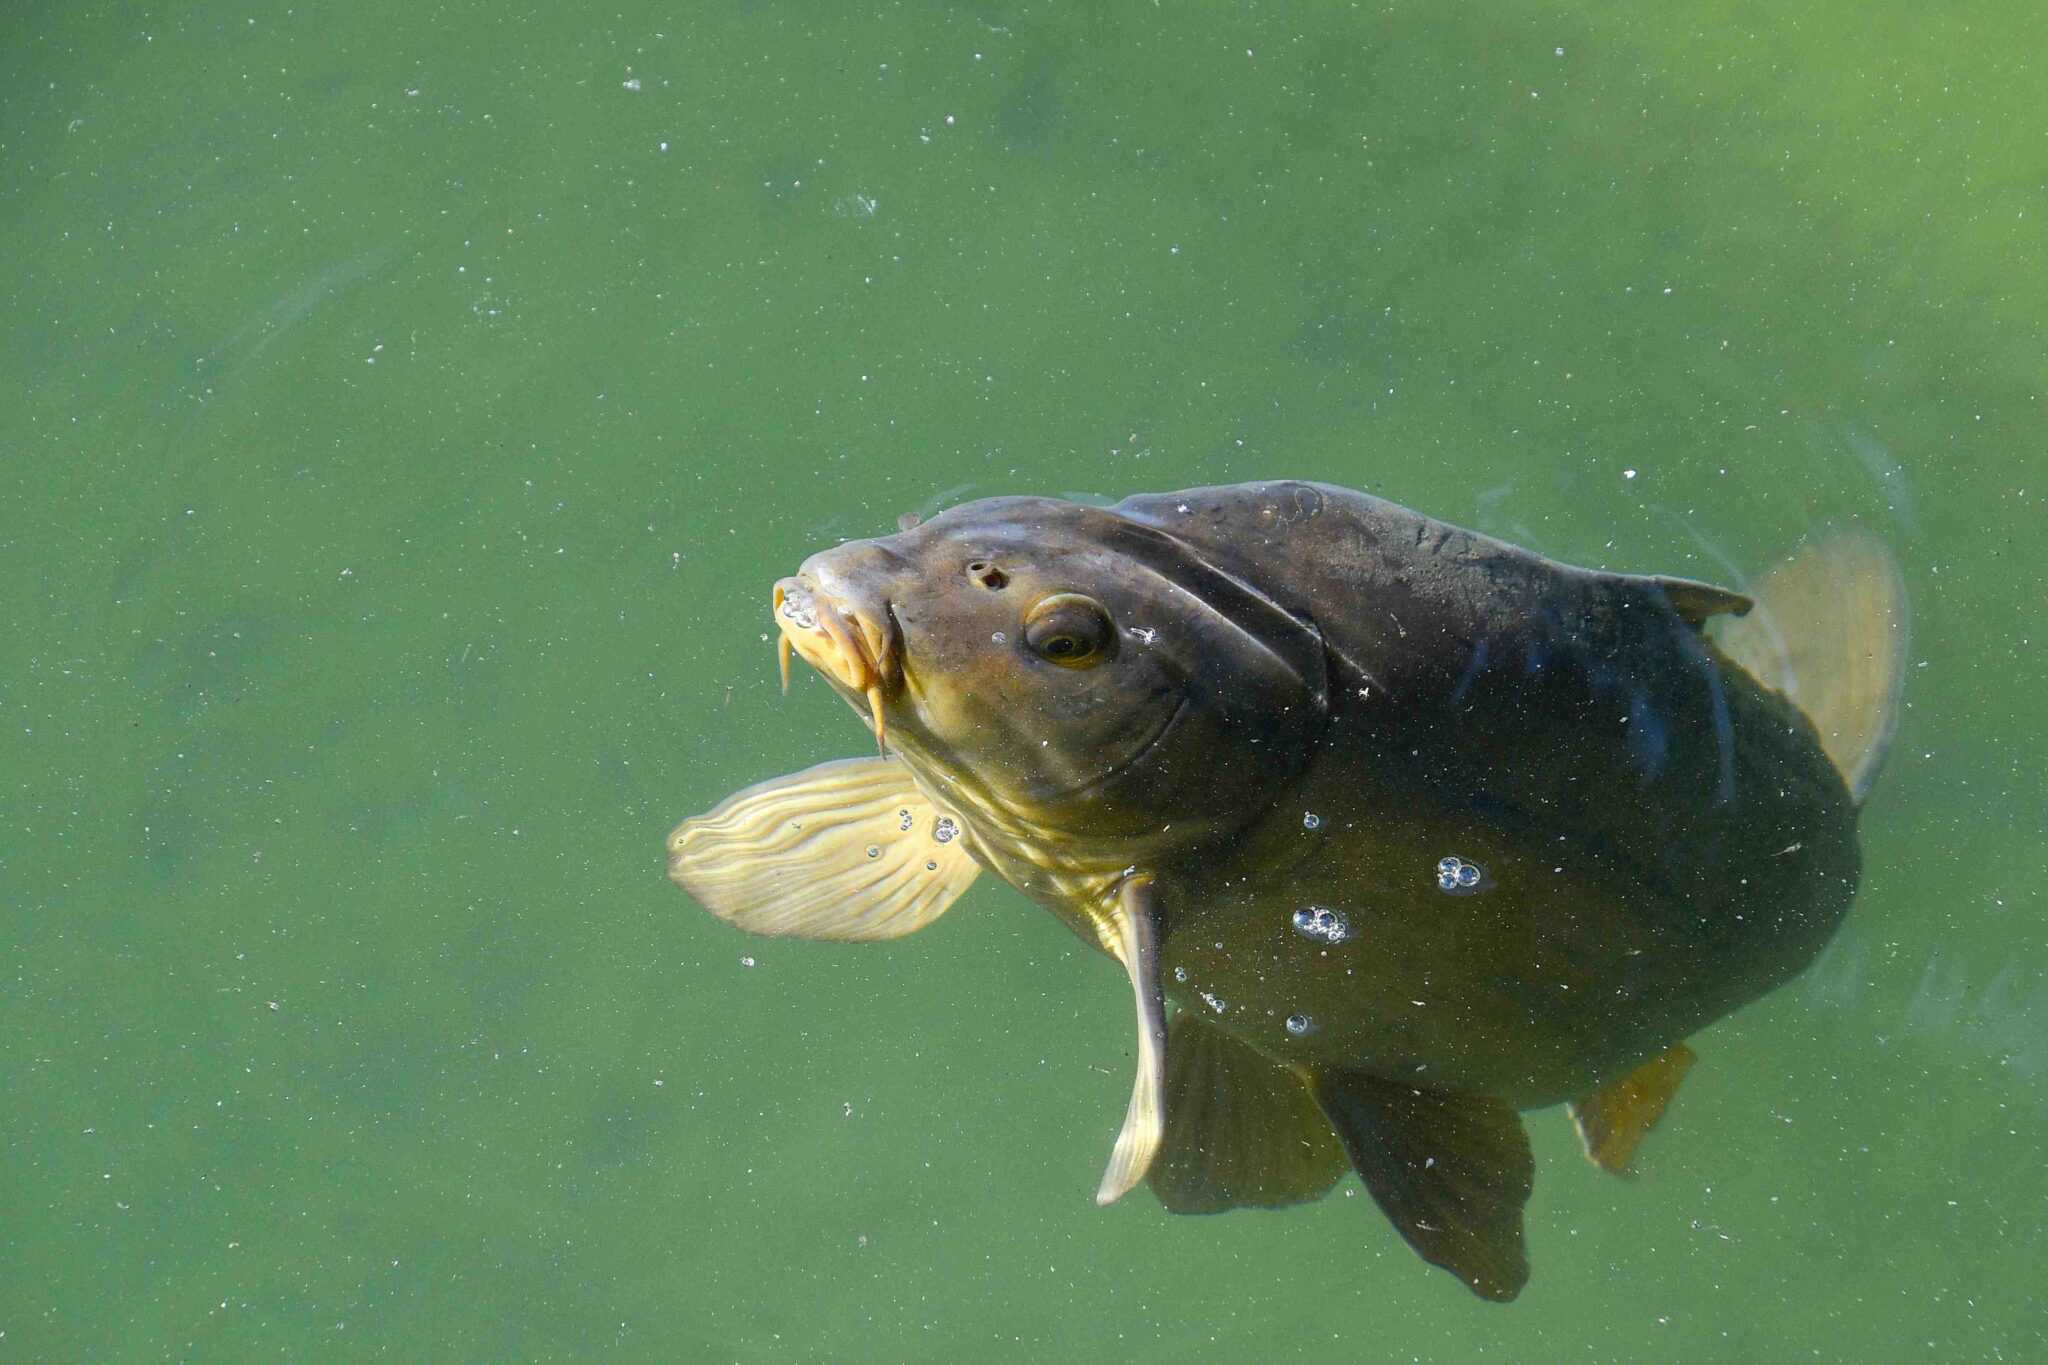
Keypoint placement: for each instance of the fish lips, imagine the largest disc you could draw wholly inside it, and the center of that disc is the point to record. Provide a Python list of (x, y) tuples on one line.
[(856, 644)]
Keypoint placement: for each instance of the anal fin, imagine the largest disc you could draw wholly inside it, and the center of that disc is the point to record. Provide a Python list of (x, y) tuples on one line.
[(1241, 1130), (1613, 1120), (1451, 1171)]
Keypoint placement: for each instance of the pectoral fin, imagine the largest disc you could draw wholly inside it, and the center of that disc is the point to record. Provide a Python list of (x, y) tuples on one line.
[(1131, 932), (1240, 1129), (1613, 1119), (1451, 1171), (847, 850)]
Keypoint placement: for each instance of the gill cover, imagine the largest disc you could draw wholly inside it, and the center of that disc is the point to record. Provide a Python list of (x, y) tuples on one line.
[(1084, 669)]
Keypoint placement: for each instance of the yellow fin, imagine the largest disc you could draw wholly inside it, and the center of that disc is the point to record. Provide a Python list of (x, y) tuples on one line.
[(846, 850), (1241, 1129), (1134, 939), (1829, 633), (1613, 1120)]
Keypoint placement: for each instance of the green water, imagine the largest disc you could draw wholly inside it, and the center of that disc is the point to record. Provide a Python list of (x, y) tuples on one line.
[(409, 405)]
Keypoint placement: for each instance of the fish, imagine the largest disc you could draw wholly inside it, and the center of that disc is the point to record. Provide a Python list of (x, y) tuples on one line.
[(1395, 830)]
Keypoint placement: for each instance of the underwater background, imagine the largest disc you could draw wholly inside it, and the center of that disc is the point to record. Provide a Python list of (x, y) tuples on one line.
[(410, 405)]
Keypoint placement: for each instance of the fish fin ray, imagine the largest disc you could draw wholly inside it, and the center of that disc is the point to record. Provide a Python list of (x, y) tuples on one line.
[(1451, 1171), (1830, 635), (1134, 941), (790, 857), (1613, 1120), (1697, 603), (1241, 1130)]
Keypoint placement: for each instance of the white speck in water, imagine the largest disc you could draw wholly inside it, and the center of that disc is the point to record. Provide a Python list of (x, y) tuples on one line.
[(1628, 473), (632, 83), (746, 962)]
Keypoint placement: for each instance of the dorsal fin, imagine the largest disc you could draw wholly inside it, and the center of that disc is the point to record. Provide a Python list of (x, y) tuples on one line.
[(1829, 634), (1697, 603)]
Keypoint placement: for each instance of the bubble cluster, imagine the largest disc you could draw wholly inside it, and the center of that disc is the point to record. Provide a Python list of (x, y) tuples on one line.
[(904, 819), (1458, 877), (796, 605), (1310, 820), (1321, 923), (943, 829), (1300, 1025)]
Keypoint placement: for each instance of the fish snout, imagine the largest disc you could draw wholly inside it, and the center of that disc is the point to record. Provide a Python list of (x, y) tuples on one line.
[(853, 642)]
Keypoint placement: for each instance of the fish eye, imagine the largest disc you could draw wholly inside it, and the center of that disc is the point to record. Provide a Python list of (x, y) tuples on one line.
[(1070, 630)]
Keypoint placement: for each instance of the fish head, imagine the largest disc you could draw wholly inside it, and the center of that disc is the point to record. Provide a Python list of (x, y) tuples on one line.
[(1064, 666)]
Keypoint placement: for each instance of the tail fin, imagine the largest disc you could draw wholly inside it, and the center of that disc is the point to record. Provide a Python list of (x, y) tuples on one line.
[(1829, 633)]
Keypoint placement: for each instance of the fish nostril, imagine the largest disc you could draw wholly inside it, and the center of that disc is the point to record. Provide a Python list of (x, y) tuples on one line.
[(988, 575)]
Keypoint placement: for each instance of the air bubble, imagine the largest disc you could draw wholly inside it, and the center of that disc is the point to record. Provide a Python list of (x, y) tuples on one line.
[(796, 605), (1180, 974), (1310, 820), (931, 866), (1458, 877), (874, 850), (904, 819), (943, 829), (1321, 923), (1300, 1024)]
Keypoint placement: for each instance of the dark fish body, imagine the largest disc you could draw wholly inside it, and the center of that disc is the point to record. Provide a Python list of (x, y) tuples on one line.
[(1662, 839), (1414, 827)]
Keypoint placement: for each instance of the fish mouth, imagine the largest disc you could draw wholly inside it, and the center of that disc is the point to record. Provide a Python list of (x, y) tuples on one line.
[(860, 650)]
